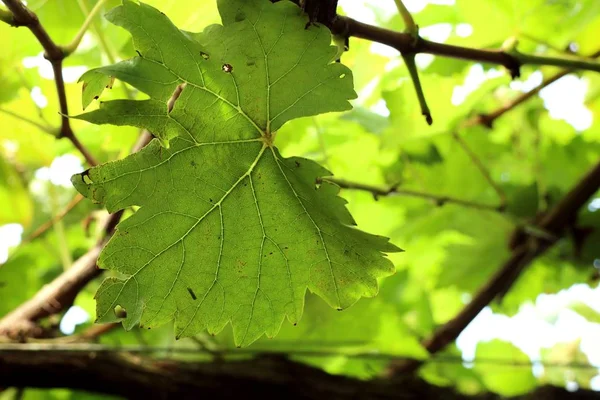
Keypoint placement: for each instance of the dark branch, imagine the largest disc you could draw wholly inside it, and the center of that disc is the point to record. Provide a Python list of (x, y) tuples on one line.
[(406, 44), (268, 376), (52, 298)]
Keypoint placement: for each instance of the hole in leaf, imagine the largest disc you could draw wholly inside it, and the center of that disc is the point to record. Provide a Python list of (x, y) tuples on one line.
[(120, 312), (85, 177), (342, 76), (175, 96), (227, 68), (204, 55)]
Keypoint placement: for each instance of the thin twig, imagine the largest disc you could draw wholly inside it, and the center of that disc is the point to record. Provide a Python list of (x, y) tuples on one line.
[(48, 224), (22, 16), (59, 230), (395, 190), (71, 47), (482, 169), (46, 129), (409, 61), (322, 145), (108, 51), (540, 41), (488, 119), (40, 110)]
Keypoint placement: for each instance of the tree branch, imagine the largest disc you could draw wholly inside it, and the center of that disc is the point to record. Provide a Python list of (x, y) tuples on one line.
[(405, 43), (267, 376), (22, 16), (555, 221), (52, 298)]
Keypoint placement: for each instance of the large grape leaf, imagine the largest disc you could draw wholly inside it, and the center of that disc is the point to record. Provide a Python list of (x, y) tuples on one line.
[(227, 230)]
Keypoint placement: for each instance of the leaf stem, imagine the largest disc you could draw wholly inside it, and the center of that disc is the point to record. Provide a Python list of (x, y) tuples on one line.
[(6, 16), (409, 60), (71, 47), (409, 22), (322, 145)]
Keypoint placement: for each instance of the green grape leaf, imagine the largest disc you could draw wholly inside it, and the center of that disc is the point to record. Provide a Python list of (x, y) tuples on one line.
[(227, 230)]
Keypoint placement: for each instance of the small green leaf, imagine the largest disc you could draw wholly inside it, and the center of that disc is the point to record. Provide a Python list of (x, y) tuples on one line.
[(496, 370), (94, 83)]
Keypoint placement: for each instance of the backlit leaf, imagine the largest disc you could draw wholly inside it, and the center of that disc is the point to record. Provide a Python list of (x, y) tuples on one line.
[(228, 229)]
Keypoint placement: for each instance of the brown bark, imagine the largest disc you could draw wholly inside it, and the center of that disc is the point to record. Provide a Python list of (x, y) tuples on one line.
[(134, 377)]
